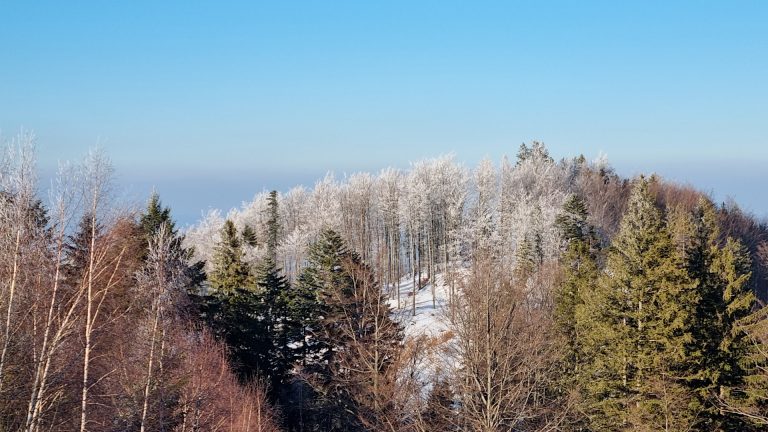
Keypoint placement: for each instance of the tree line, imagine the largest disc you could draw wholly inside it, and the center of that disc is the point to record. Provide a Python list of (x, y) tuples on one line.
[(571, 299)]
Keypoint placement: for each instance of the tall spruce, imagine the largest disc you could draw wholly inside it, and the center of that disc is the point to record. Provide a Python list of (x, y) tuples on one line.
[(579, 262), (249, 236), (272, 310), (722, 371), (230, 271), (275, 296), (639, 337), (742, 381), (273, 225), (580, 273)]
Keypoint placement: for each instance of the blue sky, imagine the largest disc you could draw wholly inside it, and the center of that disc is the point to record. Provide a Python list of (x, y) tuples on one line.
[(211, 102)]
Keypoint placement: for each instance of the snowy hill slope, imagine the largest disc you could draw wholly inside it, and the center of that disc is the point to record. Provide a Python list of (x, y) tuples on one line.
[(429, 330)]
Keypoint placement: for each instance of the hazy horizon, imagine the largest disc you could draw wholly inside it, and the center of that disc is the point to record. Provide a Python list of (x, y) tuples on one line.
[(233, 99)]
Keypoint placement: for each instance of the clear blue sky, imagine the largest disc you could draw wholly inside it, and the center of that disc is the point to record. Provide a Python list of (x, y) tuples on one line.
[(211, 102)]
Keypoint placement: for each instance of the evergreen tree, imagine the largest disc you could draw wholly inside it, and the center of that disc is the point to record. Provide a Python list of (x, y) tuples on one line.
[(249, 236), (580, 269), (77, 249), (536, 151), (581, 272), (354, 338), (273, 225), (272, 309), (304, 310), (722, 372), (234, 311), (233, 317), (230, 271), (572, 221), (698, 235), (741, 381), (638, 328), (156, 216)]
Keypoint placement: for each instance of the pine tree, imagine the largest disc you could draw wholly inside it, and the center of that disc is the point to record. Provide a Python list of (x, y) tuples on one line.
[(638, 327), (230, 271)]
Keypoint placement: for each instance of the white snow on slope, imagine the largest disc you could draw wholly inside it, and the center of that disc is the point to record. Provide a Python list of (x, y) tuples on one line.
[(430, 319), (430, 328)]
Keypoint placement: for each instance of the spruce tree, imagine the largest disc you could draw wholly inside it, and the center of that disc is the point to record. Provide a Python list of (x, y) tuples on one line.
[(572, 221), (272, 309), (234, 310), (580, 269), (156, 216), (723, 365), (580, 273), (638, 327), (230, 271), (304, 311), (249, 236), (354, 337), (741, 381), (698, 235), (273, 225), (77, 249)]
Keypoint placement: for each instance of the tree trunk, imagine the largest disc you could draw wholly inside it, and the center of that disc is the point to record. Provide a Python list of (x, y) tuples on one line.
[(9, 310)]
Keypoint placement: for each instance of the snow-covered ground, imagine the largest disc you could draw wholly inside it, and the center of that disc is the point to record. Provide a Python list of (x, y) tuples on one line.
[(430, 319), (429, 329)]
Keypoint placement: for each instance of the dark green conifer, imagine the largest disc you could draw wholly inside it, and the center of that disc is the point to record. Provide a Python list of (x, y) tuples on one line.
[(77, 249), (345, 337), (580, 275), (230, 271), (155, 217), (276, 323), (273, 226), (249, 236)]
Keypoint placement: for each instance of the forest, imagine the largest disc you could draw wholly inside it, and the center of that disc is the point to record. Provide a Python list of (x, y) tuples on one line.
[(525, 294)]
